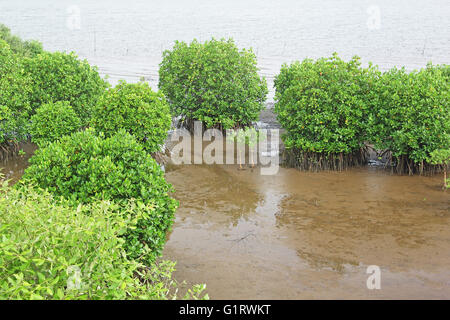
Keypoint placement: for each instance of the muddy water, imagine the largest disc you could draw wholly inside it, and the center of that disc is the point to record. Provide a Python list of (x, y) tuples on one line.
[(299, 235), (13, 169)]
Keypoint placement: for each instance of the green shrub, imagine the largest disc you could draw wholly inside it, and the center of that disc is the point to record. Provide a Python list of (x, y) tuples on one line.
[(53, 121), (84, 168), (51, 250), (323, 106), (411, 115), (18, 46), (137, 109), (63, 77), (212, 82), (444, 69), (14, 97), (441, 157)]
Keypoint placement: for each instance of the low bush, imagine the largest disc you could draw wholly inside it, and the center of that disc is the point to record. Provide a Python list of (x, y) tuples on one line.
[(53, 121), (137, 109), (441, 157), (213, 82), (323, 106), (15, 91), (411, 116), (52, 250), (84, 168), (63, 77), (28, 48)]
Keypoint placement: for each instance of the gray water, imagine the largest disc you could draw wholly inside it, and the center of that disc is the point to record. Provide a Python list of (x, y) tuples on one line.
[(125, 39)]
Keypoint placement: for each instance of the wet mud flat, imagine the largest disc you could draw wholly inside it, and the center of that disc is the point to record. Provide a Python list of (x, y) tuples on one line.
[(301, 235)]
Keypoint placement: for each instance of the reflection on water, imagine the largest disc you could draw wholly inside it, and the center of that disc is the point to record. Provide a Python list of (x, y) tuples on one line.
[(310, 235), (215, 191)]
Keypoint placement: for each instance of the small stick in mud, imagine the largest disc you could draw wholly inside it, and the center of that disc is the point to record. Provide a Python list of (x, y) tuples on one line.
[(251, 233)]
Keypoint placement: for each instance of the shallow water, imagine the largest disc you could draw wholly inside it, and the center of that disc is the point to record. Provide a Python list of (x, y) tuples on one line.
[(126, 38), (13, 168), (301, 235), (298, 235)]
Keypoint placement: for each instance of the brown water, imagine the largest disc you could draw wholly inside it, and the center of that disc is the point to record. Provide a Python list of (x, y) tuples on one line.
[(298, 235), (13, 169)]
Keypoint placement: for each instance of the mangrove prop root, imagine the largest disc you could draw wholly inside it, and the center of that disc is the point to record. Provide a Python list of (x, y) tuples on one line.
[(312, 161), (404, 165), (8, 150)]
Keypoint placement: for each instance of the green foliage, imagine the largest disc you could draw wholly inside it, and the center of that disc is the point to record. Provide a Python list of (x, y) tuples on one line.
[(84, 168), (51, 250), (444, 69), (411, 112), (18, 46), (213, 82), (245, 136), (137, 109), (14, 97), (329, 106), (63, 77), (441, 157), (322, 104), (53, 121)]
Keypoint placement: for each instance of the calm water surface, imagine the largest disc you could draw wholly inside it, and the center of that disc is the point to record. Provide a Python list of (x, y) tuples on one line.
[(126, 38), (298, 235), (301, 235)]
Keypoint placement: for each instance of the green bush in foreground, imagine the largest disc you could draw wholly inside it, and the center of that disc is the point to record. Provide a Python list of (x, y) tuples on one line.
[(18, 46), (52, 250), (137, 109), (63, 77), (411, 115), (84, 168), (53, 121), (15, 92), (213, 82), (323, 106)]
